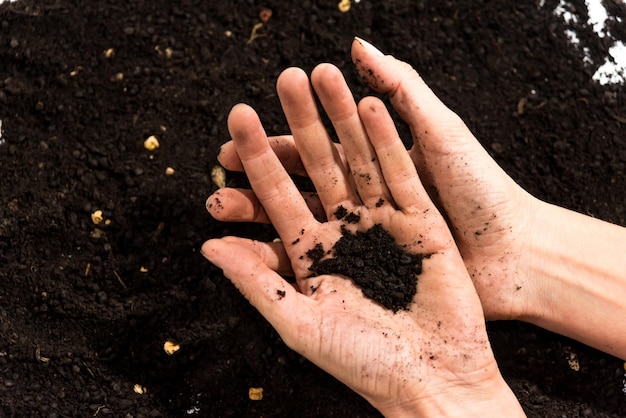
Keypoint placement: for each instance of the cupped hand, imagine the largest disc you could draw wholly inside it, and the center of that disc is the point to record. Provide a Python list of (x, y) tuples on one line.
[(490, 216), (432, 358)]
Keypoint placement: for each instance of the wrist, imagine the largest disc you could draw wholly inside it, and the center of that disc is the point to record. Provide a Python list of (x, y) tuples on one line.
[(578, 276), (491, 398)]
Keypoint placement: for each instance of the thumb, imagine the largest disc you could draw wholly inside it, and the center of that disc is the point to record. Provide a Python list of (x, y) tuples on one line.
[(268, 292), (429, 119), (448, 157)]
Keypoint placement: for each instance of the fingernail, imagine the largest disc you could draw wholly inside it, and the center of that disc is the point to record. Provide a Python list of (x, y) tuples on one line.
[(203, 251), (214, 204), (211, 251), (371, 49)]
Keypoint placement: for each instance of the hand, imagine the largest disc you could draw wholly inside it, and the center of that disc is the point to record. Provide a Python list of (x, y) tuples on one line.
[(489, 214), (432, 358), (527, 259)]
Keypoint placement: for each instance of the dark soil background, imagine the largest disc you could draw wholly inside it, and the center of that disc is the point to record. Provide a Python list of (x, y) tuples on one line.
[(85, 309)]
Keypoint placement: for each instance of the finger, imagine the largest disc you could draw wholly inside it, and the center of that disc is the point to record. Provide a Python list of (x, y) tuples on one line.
[(272, 254), (270, 294), (445, 151), (318, 153), (236, 205), (429, 119), (339, 104), (461, 177), (284, 147), (397, 167), (282, 201), (242, 205)]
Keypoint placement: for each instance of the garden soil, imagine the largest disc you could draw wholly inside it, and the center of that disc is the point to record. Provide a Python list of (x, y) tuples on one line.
[(86, 307)]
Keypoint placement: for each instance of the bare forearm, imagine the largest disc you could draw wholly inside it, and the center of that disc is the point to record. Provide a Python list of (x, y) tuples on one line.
[(580, 271)]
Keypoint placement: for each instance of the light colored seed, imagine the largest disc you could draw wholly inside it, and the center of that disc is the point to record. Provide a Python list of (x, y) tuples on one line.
[(151, 143), (97, 217), (218, 175), (573, 362), (170, 347), (255, 394), (344, 6), (140, 389)]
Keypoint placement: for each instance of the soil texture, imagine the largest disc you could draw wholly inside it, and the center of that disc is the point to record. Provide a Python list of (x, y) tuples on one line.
[(385, 272), (88, 299)]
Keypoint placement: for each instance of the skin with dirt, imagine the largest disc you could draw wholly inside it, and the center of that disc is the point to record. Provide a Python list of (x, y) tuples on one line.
[(85, 309)]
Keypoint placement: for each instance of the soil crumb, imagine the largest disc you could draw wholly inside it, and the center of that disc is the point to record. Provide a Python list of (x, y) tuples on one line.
[(384, 271), (350, 217), (341, 212)]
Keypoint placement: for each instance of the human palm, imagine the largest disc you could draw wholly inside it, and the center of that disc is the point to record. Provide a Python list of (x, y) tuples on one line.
[(394, 359), (490, 216)]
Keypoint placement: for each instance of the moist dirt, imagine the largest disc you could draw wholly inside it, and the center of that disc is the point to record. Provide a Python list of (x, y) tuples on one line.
[(385, 272), (86, 309)]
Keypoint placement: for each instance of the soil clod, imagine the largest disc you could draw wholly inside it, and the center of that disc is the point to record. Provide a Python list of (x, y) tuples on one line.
[(384, 270)]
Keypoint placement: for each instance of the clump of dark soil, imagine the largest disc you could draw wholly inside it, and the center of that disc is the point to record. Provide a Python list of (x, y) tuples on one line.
[(350, 217), (384, 270), (341, 212)]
